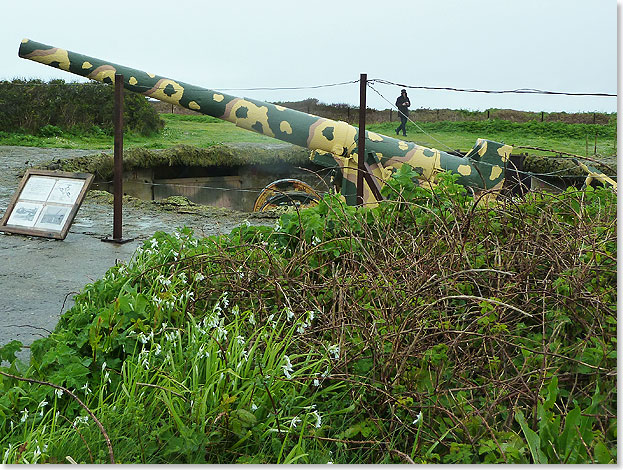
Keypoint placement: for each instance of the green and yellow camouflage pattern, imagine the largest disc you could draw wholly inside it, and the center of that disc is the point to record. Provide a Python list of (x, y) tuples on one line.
[(333, 143)]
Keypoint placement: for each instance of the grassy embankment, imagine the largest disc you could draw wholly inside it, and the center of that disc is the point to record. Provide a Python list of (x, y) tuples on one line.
[(423, 330), (204, 131)]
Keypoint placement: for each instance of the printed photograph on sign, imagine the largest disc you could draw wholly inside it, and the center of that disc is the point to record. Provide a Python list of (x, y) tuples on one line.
[(25, 214), (66, 191), (53, 217), (38, 188)]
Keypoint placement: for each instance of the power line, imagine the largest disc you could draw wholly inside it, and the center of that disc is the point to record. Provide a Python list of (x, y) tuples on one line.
[(472, 90), (350, 82)]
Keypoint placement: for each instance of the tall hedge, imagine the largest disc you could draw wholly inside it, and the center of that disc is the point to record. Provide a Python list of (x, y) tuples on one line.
[(34, 106)]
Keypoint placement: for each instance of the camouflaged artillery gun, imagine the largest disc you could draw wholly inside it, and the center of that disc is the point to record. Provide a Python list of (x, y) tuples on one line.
[(333, 143)]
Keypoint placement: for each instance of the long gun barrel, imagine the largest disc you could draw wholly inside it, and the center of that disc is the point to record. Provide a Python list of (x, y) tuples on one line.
[(336, 141)]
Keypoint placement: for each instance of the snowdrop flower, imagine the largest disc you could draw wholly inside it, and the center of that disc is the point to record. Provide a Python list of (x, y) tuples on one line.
[(221, 333), (42, 404), (316, 383), (158, 349), (154, 243), (240, 340), (24, 416), (199, 277), (287, 368), (315, 240), (59, 392), (235, 310), (318, 418), (295, 421), (182, 277), (103, 366), (289, 313), (225, 301), (417, 418), (253, 407), (80, 420), (252, 319), (86, 388), (334, 350)]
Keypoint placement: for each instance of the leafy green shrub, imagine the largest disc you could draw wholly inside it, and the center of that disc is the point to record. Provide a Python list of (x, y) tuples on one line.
[(37, 107), (434, 328)]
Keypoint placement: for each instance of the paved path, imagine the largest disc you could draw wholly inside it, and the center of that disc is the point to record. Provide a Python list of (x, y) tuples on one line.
[(38, 276)]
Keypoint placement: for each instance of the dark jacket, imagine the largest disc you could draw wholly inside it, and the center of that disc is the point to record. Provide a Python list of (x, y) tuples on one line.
[(403, 103)]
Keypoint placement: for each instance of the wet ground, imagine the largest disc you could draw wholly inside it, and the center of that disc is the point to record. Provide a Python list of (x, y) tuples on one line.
[(39, 276)]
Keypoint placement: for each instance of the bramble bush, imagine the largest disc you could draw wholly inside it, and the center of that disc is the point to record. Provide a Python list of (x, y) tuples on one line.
[(433, 328)]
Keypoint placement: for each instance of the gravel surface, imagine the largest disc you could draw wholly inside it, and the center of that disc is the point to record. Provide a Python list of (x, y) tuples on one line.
[(38, 276)]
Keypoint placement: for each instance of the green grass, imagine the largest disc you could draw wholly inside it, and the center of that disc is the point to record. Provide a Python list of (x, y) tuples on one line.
[(205, 131), (571, 138)]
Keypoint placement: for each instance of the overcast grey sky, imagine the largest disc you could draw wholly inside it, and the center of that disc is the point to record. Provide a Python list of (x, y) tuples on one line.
[(556, 45)]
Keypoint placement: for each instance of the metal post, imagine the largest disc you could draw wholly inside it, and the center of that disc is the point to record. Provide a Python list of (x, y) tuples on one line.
[(361, 145), (118, 165)]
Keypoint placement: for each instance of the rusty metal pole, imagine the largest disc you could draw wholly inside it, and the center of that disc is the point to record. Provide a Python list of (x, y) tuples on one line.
[(118, 159), (117, 230), (361, 144)]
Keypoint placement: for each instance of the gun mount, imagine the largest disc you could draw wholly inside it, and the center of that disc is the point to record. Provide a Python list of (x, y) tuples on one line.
[(333, 143)]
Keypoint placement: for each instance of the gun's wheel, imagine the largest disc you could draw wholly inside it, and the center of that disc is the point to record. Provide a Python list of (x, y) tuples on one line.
[(286, 192)]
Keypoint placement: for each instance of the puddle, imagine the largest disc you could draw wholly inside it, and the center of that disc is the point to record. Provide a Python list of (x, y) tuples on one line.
[(235, 187)]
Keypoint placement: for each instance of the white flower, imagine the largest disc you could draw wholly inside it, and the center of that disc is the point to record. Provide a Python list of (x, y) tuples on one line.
[(154, 243), (315, 240), (221, 333), (240, 340), (334, 350), (287, 368), (199, 277), (318, 418), (24, 415), (224, 300), (253, 407), (42, 404), (80, 419), (59, 392), (289, 313), (107, 377), (158, 349), (103, 366), (417, 418), (86, 388), (294, 422), (252, 319), (316, 383)]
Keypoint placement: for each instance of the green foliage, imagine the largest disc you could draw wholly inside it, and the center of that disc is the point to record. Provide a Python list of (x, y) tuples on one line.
[(56, 108), (435, 327)]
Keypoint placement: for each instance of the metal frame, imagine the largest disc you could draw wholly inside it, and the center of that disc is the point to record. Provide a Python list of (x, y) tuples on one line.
[(43, 199)]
